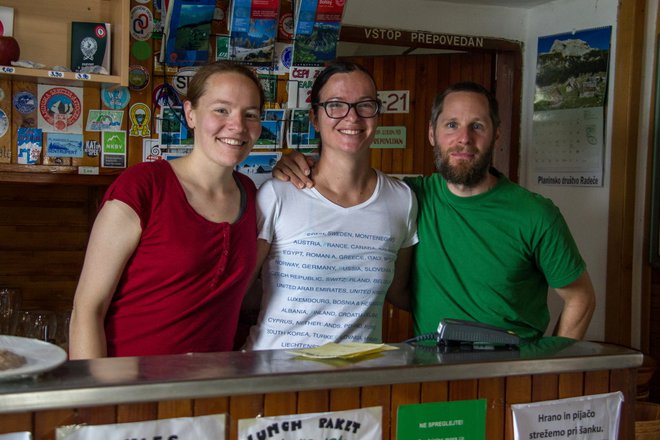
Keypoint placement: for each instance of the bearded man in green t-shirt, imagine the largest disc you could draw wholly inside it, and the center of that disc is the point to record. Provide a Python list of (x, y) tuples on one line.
[(488, 249)]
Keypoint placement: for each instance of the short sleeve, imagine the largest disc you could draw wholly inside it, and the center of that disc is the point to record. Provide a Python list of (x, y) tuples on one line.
[(266, 211), (134, 187)]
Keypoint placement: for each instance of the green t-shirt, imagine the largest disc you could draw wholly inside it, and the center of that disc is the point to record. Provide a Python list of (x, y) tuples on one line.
[(488, 258)]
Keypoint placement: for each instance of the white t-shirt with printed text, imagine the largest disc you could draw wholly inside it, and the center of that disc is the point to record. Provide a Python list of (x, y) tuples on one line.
[(329, 267)]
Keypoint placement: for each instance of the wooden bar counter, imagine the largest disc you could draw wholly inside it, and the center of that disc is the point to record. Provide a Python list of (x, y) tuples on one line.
[(269, 383)]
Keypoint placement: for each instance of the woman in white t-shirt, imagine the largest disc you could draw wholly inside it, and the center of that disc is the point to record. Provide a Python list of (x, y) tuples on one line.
[(331, 254)]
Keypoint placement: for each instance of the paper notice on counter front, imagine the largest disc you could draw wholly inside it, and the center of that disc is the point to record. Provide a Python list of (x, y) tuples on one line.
[(17, 436), (362, 423), (183, 428), (594, 417)]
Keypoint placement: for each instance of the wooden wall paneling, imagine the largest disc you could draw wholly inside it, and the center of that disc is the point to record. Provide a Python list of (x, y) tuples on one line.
[(16, 422), (210, 406), (493, 390), (278, 404), (243, 407), (545, 387), (101, 415), (43, 233), (408, 156), (463, 389), (402, 394), (390, 72), (313, 401), (379, 396), (137, 412), (420, 105), (342, 399), (518, 390), (508, 76), (570, 385), (6, 107), (376, 67), (46, 422), (625, 380), (434, 392), (403, 78), (596, 382), (175, 408)]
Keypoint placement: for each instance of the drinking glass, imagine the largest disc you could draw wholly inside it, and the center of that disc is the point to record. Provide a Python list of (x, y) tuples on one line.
[(10, 304)]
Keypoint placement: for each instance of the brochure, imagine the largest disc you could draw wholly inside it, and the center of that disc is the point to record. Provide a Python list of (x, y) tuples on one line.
[(187, 31), (316, 31), (90, 46), (253, 31)]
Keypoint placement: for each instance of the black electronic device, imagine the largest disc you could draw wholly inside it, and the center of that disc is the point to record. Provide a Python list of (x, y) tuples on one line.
[(457, 332)]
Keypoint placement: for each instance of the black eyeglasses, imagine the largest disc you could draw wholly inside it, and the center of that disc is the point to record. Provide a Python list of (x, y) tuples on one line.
[(368, 108)]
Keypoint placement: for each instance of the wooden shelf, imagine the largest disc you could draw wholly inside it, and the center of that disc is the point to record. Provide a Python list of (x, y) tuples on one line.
[(43, 31), (54, 174), (56, 77)]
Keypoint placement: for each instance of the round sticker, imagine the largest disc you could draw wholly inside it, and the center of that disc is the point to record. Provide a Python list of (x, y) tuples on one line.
[(142, 23), (4, 123), (25, 102), (287, 56), (60, 107), (141, 50), (138, 77), (182, 78), (164, 96), (115, 97), (286, 26)]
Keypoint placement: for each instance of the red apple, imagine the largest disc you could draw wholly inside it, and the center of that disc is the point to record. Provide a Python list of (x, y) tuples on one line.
[(9, 50)]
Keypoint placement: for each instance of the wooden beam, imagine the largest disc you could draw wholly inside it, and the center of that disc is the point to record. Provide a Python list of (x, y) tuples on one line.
[(625, 103)]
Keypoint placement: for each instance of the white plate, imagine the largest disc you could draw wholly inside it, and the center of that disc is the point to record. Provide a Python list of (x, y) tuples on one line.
[(41, 356)]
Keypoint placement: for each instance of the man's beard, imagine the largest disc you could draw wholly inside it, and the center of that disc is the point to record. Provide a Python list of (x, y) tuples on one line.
[(468, 174)]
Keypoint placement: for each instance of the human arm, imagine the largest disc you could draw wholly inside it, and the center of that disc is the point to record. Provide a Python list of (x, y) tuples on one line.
[(252, 300), (115, 235), (399, 292), (296, 168), (579, 304)]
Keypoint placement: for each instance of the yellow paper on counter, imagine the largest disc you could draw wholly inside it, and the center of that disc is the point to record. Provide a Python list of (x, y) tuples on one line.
[(344, 350)]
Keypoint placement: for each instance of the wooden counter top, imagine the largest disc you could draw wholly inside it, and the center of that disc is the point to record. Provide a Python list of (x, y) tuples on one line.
[(141, 379)]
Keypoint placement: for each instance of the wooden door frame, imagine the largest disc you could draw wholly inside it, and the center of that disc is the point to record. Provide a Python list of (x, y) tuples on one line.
[(621, 219), (507, 81)]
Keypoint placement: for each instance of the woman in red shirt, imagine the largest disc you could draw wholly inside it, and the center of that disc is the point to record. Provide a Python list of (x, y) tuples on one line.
[(174, 244)]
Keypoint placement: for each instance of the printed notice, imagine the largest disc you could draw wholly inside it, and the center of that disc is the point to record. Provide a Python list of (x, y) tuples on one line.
[(212, 426), (594, 417), (356, 424), (459, 420)]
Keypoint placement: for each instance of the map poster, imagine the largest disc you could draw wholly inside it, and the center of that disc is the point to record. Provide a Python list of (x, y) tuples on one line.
[(568, 140)]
